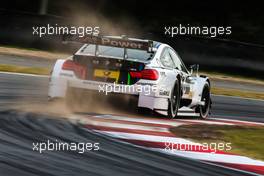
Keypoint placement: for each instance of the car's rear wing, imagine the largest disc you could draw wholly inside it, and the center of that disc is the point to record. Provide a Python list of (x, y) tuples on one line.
[(122, 42)]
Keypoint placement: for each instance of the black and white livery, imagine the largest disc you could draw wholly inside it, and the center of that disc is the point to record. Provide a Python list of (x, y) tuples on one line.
[(151, 71)]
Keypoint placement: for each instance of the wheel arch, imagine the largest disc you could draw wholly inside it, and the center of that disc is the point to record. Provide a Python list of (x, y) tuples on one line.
[(198, 89), (209, 82)]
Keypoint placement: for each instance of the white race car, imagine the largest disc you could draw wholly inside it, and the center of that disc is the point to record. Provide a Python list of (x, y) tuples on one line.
[(151, 71)]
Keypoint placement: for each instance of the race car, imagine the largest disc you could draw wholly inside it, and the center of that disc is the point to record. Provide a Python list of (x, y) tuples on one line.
[(151, 71)]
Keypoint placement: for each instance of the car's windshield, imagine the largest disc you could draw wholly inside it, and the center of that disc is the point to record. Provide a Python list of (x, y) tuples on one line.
[(108, 51)]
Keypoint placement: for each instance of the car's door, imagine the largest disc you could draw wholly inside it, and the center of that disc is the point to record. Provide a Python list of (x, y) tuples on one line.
[(179, 65), (168, 70)]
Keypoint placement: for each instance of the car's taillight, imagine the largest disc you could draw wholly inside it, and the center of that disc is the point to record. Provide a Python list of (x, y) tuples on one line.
[(149, 74), (78, 69)]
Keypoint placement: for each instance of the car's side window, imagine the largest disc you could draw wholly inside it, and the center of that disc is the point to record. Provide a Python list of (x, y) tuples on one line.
[(166, 59), (178, 63)]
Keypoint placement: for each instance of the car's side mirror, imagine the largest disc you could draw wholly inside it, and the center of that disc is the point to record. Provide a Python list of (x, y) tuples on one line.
[(194, 67)]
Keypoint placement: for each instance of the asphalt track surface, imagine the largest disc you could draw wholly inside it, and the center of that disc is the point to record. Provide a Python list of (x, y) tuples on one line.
[(19, 130), (25, 61)]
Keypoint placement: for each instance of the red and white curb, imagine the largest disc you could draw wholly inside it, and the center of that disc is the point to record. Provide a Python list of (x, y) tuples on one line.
[(154, 134)]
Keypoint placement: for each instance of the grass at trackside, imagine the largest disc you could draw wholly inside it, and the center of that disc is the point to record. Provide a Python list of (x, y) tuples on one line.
[(20, 69), (22, 48), (237, 93), (31, 53), (245, 140), (231, 77)]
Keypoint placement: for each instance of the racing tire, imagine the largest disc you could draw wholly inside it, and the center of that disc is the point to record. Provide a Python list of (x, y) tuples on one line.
[(174, 101), (204, 110)]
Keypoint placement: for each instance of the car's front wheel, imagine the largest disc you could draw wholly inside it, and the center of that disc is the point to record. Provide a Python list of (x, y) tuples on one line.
[(174, 101), (204, 110)]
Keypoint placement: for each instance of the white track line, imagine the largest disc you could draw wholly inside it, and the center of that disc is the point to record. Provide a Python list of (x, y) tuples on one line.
[(254, 99), (214, 157), (178, 122), (239, 121), (23, 74)]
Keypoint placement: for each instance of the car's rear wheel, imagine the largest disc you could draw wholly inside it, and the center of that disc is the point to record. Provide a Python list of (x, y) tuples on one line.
[(174, 101), (204, 110)]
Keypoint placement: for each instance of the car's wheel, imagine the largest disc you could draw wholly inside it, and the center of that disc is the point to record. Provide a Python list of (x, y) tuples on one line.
[(174, 101), (204, 110)]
